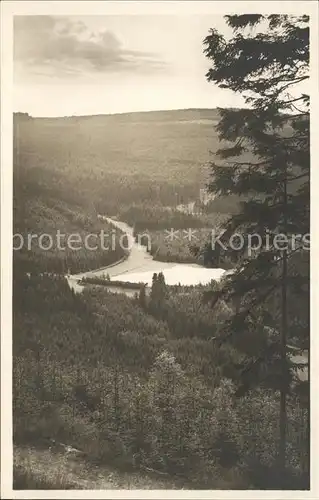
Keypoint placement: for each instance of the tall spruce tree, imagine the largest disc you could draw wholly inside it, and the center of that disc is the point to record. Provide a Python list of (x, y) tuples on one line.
[(158, 293), (265, 161), (142, 297)]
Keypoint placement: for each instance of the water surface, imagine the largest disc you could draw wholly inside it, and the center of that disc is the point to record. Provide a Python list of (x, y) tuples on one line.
[(139, 267)]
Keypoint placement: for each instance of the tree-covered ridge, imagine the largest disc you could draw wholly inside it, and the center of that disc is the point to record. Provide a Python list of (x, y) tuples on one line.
[(72, 157), (70, 238), (41, 209), (78, 156)]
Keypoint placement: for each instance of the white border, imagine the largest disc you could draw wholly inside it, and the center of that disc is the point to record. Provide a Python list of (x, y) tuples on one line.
[(8, 10)]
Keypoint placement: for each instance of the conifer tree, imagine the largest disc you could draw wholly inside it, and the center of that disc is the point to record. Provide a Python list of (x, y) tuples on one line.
[(158, 292), (154, 286), (142, 297), (162, 289), (265, 161)]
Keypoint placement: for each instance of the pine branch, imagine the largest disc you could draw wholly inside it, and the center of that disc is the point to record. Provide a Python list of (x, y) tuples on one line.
[(293, 81), (297, 177)]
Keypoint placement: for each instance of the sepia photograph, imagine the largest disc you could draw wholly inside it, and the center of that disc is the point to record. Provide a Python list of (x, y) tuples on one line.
[(160, 246)]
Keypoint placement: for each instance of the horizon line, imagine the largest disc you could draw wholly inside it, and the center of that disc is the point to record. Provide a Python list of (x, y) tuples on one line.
[(125, 112)]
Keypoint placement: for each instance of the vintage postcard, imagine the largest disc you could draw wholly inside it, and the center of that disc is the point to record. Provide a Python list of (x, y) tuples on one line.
[(158, 315)]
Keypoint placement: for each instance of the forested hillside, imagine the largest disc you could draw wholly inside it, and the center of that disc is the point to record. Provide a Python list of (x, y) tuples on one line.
[(122, 159), (45, 203), (67, 170), (141, 384)]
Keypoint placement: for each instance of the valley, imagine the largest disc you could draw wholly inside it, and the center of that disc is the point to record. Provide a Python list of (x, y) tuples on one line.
[(132, 376)]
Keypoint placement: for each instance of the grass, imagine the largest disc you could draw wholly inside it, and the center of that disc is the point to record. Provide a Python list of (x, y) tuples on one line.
[(36, 469)]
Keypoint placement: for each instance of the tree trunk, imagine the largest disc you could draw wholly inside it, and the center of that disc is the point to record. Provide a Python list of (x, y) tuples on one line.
[(116, 398), (283, 391)]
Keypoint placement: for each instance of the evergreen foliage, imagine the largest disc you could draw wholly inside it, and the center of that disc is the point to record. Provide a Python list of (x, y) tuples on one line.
[(96, 372), (266, 60)]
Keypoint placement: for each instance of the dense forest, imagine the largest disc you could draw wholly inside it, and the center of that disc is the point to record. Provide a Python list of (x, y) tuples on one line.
[(41, 209), (84, 155), (141, 383), (192, 232)]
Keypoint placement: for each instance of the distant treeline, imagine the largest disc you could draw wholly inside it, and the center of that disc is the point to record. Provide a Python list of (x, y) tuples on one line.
[(109, 283), (149, 218)]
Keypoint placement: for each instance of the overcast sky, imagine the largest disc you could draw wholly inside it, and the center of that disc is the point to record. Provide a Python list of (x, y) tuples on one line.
[(113, 64)]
